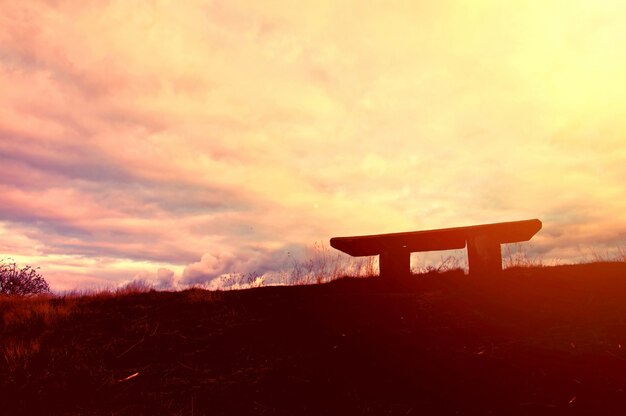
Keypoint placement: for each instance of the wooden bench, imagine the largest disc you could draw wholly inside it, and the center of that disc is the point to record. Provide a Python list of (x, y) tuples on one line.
[(482, 241)]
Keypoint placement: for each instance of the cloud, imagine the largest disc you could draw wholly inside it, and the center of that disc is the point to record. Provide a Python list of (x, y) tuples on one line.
[(247, 261), (163, 279), (208, 268), (146, 134)]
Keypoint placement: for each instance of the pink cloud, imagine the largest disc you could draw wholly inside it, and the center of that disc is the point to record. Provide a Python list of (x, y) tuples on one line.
[(156, 132), (243, 260)]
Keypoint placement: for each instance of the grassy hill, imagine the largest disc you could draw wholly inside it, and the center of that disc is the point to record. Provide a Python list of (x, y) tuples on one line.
[(534, 341)]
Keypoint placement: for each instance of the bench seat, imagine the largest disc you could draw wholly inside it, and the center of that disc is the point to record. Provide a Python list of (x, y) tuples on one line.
[(482, 242)]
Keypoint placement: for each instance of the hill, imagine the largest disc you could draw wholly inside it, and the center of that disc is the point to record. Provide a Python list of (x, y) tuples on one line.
[(535, 341)]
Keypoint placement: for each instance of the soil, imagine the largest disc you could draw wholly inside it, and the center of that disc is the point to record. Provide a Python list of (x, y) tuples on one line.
[(541, 341)]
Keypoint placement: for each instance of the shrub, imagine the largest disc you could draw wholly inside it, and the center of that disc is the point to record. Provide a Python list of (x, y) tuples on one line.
[(21, 281)]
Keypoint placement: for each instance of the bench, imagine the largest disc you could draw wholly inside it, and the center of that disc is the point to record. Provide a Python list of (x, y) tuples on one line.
[(482, 241)]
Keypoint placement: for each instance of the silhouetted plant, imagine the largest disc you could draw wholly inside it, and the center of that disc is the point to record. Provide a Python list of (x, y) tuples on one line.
[(518, 255), (446, 264), (598, 255), (21, 281)]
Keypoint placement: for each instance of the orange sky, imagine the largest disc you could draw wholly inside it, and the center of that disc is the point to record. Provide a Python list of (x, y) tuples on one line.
[(175, 141)]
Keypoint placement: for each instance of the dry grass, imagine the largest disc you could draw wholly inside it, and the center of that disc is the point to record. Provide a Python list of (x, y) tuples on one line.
[(33, 311), (82, 340), (446, 263), (23, 323), (518, 255), (136, 351), (324, 265), (605, 255)]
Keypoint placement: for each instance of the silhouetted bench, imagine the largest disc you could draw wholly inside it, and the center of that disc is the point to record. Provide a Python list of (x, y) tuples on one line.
[(483, 245)]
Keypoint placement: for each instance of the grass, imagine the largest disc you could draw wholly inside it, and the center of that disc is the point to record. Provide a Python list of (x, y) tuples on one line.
[(37, 314), (602, 256), (321, 264), (26, 321), (324, 265), (549, 339)]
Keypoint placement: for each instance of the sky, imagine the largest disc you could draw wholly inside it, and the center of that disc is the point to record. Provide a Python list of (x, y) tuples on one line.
[(176, 141)]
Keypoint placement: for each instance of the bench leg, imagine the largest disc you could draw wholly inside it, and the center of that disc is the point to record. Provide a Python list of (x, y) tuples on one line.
[(483, 256), (395, 264)]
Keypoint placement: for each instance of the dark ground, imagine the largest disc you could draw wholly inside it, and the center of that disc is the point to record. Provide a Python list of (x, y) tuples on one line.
[(544, 341)]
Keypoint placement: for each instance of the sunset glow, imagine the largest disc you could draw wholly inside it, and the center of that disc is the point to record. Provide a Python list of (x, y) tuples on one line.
[(177, 141)]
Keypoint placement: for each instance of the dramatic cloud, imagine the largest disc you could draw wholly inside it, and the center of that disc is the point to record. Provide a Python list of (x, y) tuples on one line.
[(163, 279), (246, 261), (144, 138)]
